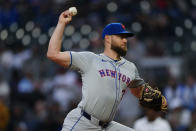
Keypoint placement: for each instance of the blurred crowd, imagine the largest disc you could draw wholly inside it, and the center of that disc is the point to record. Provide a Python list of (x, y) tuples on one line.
[(36, 94)]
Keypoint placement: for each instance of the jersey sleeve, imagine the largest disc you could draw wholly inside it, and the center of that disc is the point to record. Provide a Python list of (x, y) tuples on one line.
[(81, 61), (138, 81)]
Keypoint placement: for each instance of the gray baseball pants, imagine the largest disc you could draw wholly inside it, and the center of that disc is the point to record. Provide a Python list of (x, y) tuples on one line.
[(75, 121)]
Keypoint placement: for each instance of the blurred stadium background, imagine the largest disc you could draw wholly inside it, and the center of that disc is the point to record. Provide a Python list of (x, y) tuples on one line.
[(36, 94)]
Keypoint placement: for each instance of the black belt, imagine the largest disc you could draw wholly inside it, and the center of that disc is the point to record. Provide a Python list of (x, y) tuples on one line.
[(101, 123)]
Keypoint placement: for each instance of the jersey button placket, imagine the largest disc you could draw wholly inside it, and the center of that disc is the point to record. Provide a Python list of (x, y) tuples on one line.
[(116, 86)]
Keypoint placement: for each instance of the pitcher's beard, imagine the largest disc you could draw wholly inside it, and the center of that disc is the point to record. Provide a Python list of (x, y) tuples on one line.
[(119, 50)]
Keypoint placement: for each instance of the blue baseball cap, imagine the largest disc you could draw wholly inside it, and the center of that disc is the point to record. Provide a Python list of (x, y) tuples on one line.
[(115, 29)]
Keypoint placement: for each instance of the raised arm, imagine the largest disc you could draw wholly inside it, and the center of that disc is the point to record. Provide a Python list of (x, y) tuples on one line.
[(54, 49)]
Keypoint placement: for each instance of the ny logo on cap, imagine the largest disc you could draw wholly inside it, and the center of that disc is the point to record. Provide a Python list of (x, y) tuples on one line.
[(123, 26)]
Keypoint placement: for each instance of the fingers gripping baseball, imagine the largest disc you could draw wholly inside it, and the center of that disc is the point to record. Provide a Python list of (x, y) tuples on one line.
[(65, 17)]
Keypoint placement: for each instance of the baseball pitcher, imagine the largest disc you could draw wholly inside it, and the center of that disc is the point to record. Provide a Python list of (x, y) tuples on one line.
[(105, 77)]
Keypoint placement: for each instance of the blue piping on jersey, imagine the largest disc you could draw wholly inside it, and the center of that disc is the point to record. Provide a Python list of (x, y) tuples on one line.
[(121, 64), (76, 122), (118, 68), (118, 82), (103, 60), (70, 59), (115, 87)]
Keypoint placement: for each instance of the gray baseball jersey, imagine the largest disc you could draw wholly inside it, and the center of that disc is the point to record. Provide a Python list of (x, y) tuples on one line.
[(104, 82)]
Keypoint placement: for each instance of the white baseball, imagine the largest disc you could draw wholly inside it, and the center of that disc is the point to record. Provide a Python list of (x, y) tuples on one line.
[(73, 11)]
